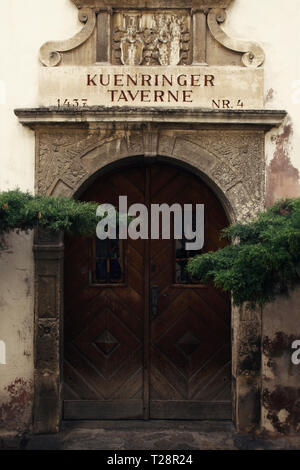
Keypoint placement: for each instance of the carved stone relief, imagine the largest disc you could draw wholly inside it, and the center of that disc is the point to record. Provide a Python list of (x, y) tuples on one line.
[(233, 160), (50, 52), (151, 39), (253, 54), (153, 33), (61, 165)]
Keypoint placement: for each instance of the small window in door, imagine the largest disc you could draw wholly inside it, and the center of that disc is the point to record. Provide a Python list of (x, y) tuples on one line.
[(182, 258), (107, 262)]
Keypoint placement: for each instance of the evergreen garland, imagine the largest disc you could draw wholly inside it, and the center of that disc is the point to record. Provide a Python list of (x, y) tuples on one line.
[(22, 211), (262, 262)]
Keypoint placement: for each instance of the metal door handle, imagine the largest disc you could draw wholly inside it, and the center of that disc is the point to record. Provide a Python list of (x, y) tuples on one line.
[(154, 301)]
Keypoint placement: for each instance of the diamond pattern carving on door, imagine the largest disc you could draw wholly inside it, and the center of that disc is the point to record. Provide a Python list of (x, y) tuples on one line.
[(106, 343), (188, 343), (190, 337), (119, 360), (104, 325)]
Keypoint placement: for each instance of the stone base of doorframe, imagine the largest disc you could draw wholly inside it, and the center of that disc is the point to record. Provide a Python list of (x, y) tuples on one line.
[(152, 436), (247, 368), (48, 348)]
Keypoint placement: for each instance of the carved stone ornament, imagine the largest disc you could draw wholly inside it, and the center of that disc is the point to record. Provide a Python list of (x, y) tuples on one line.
[(233, 160), (230, 156), (152, 32), (135, 4), (253, 54), (163, 41), (50, 52), (131, 44)]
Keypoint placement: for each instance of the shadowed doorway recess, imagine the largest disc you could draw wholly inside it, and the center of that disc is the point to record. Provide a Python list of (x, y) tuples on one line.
[(141, 339)]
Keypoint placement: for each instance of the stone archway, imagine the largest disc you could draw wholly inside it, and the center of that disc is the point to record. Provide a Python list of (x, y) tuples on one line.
[(230, 161), (122, 357), (225, 148)]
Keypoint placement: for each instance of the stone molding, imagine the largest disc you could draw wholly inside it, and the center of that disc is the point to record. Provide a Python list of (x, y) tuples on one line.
[(265, 119), (253, 54), (150, 4), (67, 160), (50, 52), (153, 32)]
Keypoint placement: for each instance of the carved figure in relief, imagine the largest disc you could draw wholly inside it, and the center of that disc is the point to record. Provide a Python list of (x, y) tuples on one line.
[(145, 38), (131, 45), (164, 41), (168, 43), (177, 28)]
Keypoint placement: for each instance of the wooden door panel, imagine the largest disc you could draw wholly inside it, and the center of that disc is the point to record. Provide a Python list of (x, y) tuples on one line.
[(172, 310), (171, 377), (160, 180), (161, 386), (207, 372), (188, 343), (74, 387), (132, 388), (118, 362), (190, 336), (102, 410), (104, 324), (190, 410), (83, 370), (216, 386), (131, 318)]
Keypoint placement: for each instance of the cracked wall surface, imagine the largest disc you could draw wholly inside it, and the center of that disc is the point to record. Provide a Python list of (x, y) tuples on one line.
[(281, 377)]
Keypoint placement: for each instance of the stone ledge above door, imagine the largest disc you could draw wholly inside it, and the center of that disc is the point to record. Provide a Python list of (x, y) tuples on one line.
[(130, 4), (263, 119)]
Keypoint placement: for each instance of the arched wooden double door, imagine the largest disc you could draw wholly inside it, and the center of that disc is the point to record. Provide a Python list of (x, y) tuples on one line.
[(142, 340)]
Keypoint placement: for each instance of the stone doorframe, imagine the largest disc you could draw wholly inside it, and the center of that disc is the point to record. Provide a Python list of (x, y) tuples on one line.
[(226, 148)]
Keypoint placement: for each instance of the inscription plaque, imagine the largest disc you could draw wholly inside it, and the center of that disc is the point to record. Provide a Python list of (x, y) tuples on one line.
[(147, 86)]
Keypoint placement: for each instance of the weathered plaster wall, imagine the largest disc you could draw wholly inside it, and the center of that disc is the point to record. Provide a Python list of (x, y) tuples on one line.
[(276, 28), (281, 377), (24, 27), (275, 25), (16, 331)]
